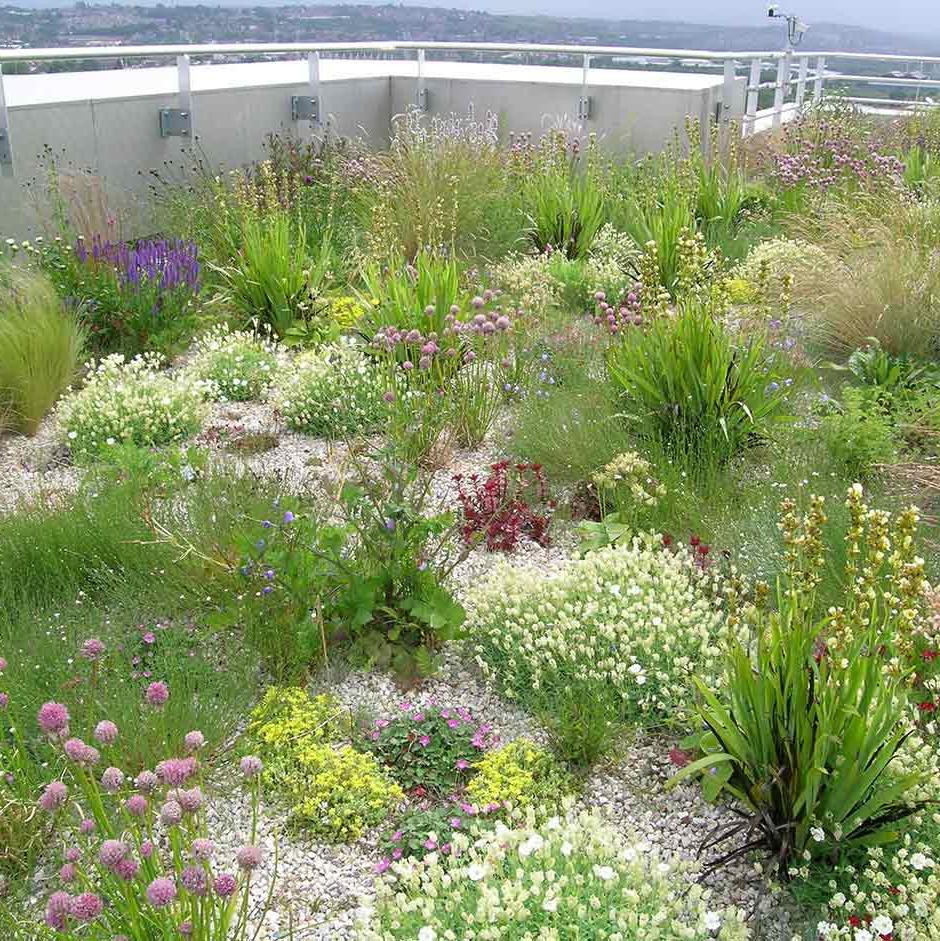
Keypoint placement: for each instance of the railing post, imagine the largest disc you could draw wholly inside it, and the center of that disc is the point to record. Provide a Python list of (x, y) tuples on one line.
[(186, 91), (753, 93), (6, 145), (317, 114), (783, 76), (585, 105), (727, 105), (421, 97), (820, 78), (801, 81), (178, 122)]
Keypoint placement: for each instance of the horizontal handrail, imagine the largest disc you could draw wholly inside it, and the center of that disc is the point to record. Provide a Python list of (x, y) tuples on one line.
[(27, 54)]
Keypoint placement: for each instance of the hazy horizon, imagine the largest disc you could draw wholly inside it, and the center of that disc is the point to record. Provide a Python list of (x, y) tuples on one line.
[(902, 16)]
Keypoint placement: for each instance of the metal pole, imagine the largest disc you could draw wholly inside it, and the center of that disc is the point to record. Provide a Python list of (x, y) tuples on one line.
[(783, 76), (584, 103), (6, 145), (801, 81), (820, 78), (753, 93), (186, 93), (313, 76), (421, 99), (727, 104)]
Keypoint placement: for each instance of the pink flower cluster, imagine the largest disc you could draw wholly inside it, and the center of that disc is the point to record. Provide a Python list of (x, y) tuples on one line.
[(622, 314)]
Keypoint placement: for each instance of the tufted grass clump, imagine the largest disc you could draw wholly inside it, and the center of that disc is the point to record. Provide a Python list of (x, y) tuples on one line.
[(569, 877), (332, 392), (41, 346), (235, 366), (130, 402)]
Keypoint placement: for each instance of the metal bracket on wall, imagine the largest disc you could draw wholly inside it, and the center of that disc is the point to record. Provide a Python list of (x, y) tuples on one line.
[(305, 108), (422, 99), (6, 148), (175, 122), (585, 108)]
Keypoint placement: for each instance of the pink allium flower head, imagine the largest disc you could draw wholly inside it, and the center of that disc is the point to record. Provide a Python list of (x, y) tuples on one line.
[(53, 718), (146, 781), (161, 892), (127, 869), (202, 848), (4, 700), (194, 880), (171, 814), (75, 749), (112, 852), (225, 885), (92, 649), (3, 664), (248, 857), (186, 928), (57, 910), (146, 849), (194, 740), (106, 732), (54, 796), (73, 854), (112, 779), (177, 771), (87, 826), (68, 873), (85, 907), (190, 800), (136, 805), (157, 694), (250, 765)]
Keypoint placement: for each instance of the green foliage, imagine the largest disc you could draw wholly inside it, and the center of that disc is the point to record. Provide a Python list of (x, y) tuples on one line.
[(40, 348), (130, 402), (519, 774), (334, 391), (276, 279), (428, 750), (698, 391), (236, 367), (576, 875), (411, 295), (861, 433), (334, 792), (810, 735), (566, 210), (369, 581)]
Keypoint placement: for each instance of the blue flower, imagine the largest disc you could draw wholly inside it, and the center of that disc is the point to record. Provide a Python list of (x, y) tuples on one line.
[(289, 517)]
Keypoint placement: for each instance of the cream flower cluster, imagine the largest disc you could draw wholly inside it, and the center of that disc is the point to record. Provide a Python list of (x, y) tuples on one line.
[(529, 282), (130, 402), (333, 391), (636, 618), (235, 366), (570, 877)]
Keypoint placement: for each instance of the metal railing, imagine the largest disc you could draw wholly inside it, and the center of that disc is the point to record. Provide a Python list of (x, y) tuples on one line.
[(798, 77)]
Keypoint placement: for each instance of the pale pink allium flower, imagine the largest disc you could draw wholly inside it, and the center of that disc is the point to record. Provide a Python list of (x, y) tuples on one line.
[(85, 907), (194, 740), (87, 826), (54, 796), (57, 910), (146, 781), (106, 732), (194, 880), (92, 649), (176, 771), (4, 700), (53, 718), (3, 664), (146, 849), (225, 885), (73, 854), (190, 800), (250, 766), (112, 852), (171, 814), (127, 869), (161, 892), (157, 693), (67, 873), (202, 848), (112, 779), (136, 805), (248, 857)]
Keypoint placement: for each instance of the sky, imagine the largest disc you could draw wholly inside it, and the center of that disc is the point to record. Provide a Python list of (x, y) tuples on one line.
[(913, 16)]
